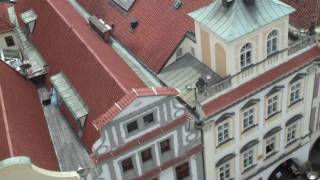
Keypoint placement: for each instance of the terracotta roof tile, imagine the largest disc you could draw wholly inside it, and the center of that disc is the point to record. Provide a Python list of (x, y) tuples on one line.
[(308, 11), (161, 27), (68, 44), (5, 24), (21, 112), (126, 100), (259, 82)]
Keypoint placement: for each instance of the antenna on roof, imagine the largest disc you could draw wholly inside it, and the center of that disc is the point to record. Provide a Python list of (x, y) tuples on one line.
[(133, 23), (177, 4)]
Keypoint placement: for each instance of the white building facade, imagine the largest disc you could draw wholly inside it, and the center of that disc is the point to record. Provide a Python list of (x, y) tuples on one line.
[(260, 114)]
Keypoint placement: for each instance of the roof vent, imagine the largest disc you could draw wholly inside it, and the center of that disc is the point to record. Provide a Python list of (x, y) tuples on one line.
[(177, 4), (249, 2), (103, 29), (227, 3), (133, 23), (29, 18)]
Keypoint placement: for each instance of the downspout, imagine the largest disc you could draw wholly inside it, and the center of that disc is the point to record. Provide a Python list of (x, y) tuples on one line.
[(199, 126)]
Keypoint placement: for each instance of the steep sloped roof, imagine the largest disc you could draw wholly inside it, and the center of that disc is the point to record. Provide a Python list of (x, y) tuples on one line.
[(239, 19), (23, 128), (5, 24), (161, 26), (307, 12), (68, 44), (124, 102)]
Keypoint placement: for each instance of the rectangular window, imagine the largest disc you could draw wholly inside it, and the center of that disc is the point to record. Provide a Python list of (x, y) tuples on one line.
[(223, 132), (127, 164), (132, 126), (146, 155), (165, 146), (9, 41), (179, 52), (148, 119), (272, 105), (270, 145), (248, 159), (224, 172), (248, 118), (295, 92), (292, 133), (182, 171)]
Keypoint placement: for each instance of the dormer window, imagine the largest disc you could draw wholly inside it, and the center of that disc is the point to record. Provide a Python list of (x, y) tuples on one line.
[(246, 55), (272, 42)]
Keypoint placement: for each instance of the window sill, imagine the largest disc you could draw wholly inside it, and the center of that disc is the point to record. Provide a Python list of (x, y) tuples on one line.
[(249, 128), (295, 102), (249, 168), (273, 54), (224, 142), (292, 142), (247, 67), (273, 115), (270, 155)]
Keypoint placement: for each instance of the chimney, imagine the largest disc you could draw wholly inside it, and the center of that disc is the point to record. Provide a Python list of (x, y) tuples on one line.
[(133, 23), (99, 26), (227, 3), (249, 2), (29, 18)]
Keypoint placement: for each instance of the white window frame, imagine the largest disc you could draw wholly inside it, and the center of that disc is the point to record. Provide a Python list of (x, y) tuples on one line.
[(224, 170), (292, 133), (272, 42), (179, 52), (295, 92), (273, 103), (249, 157), (246, 55), (223, 130), (269, 141), (248, 116)]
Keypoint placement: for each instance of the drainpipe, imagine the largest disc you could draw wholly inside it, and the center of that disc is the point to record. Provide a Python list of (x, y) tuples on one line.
[(199, 126)]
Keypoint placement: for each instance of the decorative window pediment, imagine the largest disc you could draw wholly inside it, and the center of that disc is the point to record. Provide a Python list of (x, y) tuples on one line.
[(294, 119), (250, 103), (225, 159), (274, 90), (297, 77), (224, 117), (272, 132), (249, 145)]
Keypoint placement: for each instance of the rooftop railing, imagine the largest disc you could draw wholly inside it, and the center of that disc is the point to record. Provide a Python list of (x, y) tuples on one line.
[(230, 82)]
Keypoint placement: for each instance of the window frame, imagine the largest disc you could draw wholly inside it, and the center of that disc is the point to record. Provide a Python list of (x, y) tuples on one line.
[(9, 41), (246, 54), (146, 155), (224, 137), (289, 134), (250, 151), (133, 130), (127, 165), (277, 102), (183, 168), (247, 118), (165, 146), (294, 92), (272, 42), (228, 169), (148, 122), (273, 140)]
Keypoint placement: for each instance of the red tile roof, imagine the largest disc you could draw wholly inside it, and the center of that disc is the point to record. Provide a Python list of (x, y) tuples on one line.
[(68, 44), (160, 29), (23, 128), (5, 24), (126, 100), (260, 82), (308, 11)]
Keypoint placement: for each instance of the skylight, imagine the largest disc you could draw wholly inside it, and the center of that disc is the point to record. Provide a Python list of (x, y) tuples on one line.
[(124, 4)]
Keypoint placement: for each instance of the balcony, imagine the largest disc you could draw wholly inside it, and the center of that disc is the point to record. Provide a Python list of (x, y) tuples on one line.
[(295, 48)]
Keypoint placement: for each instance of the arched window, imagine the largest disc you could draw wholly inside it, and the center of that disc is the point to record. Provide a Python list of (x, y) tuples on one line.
[(246, 55), (272, 42)]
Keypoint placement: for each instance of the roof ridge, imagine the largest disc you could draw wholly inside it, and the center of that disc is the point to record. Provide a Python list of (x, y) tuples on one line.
[(127, 99), (92, 51)]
